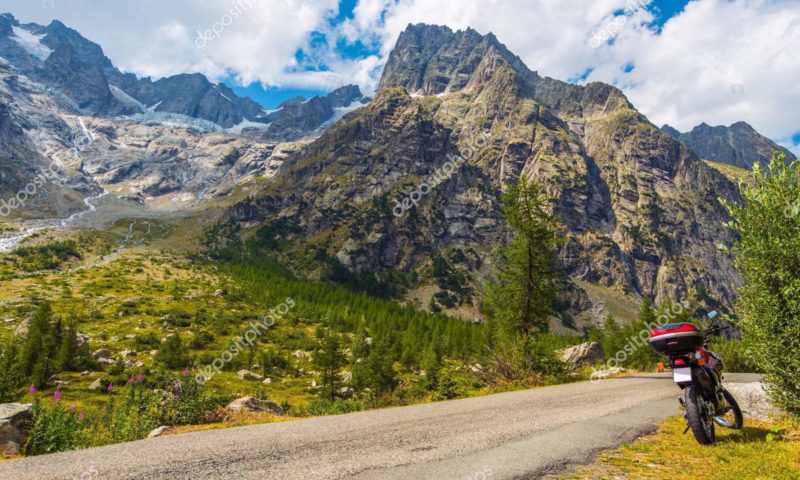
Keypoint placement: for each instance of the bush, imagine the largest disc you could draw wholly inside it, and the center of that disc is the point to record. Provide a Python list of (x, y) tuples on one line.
[(768, 257)]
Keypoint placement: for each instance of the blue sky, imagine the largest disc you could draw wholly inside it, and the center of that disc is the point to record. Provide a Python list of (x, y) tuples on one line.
[(271, 97)]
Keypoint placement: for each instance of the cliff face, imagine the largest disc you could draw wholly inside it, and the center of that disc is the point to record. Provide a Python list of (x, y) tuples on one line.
[(457, 118), (739, 145)]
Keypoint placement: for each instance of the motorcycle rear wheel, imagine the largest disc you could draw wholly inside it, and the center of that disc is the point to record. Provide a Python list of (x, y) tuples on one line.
[(699, 417)]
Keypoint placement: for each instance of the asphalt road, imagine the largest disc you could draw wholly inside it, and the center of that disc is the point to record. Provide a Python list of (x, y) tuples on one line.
[(517, 435)]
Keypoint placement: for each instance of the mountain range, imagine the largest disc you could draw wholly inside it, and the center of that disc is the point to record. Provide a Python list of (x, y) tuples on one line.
[(399, 194), (78, 70)]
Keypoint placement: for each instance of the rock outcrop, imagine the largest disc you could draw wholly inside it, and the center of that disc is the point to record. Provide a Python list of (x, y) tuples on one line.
[(739, 145), (583, 355), (254, 405), (15, 419)]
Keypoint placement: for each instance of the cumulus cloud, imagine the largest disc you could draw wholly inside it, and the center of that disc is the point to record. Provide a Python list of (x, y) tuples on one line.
[(251, 40), (719, 61)]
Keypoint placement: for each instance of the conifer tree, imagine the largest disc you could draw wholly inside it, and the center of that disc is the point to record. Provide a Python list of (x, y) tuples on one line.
[(329, 360)]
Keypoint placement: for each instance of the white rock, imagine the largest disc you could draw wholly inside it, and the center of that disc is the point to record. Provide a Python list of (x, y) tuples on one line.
[(583, 355), (753, 400), (157, 432), (248, 375), (251, 404)]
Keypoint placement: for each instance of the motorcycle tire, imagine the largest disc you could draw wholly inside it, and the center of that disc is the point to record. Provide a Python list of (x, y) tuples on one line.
[(737, 412), (700, 421)]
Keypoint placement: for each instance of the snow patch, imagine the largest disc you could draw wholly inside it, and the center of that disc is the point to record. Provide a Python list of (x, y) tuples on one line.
[(153, 107), (223, 95), (340, 112), (126, 99), (176, 120), (237, 129), (31, 43)]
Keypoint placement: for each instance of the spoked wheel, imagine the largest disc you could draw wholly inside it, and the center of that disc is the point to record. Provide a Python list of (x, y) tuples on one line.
[(699, 417), (733, 417)]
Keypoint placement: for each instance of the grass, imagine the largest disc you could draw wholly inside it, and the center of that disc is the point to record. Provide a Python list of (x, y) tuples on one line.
[(759, 451), (734, 174)]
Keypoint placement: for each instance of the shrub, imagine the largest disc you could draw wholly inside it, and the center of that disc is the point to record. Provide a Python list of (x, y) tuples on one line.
[(768, 257)]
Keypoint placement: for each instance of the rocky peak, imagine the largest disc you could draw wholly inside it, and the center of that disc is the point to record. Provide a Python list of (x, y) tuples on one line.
[(431, 60), (7, 22), (739, 144), (298, 117), (344, 96)]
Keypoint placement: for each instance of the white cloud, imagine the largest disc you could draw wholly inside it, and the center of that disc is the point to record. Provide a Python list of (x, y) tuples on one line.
[(719, 61), (255, 40)]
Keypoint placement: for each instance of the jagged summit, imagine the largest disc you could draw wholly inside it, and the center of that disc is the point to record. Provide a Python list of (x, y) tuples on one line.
[(431, 60), (739, 144)]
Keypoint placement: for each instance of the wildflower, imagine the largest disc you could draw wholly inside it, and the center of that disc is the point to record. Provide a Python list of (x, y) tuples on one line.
[(186, 372), (57, 395), (141, 378), (32, 390), (73, 407), (110, 388), (131, 380), (81, 416)]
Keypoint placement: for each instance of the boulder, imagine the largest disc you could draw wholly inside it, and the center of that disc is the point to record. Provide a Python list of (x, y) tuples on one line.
[(15, 421), (606, 372), (248, 375), (753, 401), (101, 354), (157, 432), (583, 355), (97, 385), (81, 340), (254, 405), (345, 393)]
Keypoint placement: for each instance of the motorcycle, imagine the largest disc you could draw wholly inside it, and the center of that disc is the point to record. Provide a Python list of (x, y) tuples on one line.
[(698, 372)]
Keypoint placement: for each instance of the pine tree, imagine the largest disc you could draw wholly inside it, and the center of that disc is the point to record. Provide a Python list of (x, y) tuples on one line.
[(521, 296), (329, 360), (9, 374), (432, 365), (37, 358), (380, 366)]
